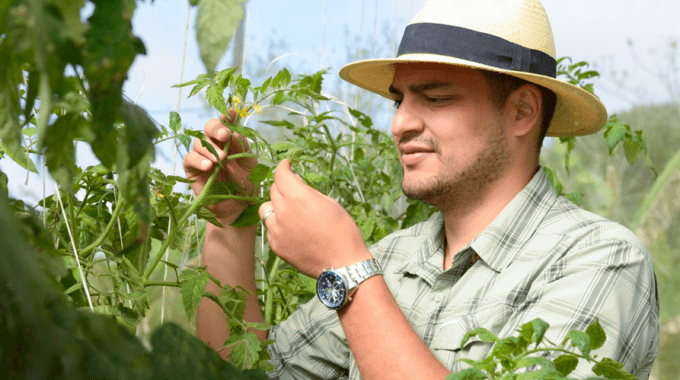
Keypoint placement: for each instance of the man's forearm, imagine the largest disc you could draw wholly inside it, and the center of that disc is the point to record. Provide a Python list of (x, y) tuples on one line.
[(229, 254), (383, 343)]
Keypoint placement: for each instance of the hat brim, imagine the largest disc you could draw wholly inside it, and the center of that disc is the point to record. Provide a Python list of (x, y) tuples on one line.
[(577, 112)]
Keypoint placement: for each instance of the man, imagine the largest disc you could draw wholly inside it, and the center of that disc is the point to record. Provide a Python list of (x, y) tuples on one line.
[(475, 94)]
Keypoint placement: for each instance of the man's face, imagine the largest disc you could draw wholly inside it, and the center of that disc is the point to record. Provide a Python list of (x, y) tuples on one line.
[(451, 139)]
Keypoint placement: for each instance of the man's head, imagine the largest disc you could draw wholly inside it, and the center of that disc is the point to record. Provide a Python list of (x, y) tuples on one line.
[(457, 136), (511, 37)]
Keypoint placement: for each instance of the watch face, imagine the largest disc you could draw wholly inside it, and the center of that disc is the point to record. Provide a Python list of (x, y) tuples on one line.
[(331, 289)]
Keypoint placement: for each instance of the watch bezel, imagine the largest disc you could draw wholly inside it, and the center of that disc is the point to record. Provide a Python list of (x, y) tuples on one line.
[(320, 287)]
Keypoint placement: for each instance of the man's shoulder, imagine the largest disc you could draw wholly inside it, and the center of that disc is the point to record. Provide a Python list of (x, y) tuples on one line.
[(405, 240), (567, 219)]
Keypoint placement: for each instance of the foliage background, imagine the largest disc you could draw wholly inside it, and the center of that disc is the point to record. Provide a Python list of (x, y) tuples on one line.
[(609, 186)]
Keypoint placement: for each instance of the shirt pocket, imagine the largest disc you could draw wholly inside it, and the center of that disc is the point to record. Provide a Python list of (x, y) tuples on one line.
[(449, 334)]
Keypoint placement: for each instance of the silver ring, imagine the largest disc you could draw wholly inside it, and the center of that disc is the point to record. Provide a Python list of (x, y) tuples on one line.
[(266, 214)]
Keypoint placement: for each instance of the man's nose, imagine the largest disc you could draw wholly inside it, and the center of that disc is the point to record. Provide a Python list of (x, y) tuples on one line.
[(407, 119)]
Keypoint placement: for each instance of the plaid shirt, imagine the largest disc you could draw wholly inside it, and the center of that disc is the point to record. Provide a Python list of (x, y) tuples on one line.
[(542, 257)]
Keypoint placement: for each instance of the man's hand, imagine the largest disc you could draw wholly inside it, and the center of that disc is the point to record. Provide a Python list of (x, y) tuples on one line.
[(308, 229), (199, 164)]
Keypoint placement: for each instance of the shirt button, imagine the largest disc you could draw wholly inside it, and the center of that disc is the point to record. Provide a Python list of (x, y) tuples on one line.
[(438, 297)]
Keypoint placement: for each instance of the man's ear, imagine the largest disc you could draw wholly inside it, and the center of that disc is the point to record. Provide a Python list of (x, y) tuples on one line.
[(524, 109)]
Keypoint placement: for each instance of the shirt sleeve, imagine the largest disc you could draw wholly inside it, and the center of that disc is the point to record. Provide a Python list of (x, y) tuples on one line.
[(310, 344)]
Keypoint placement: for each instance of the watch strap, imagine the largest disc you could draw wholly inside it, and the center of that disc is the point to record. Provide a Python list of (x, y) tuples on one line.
[(359, 272)]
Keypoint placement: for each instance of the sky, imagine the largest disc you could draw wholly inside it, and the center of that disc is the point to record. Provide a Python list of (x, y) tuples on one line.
[(311, 34)]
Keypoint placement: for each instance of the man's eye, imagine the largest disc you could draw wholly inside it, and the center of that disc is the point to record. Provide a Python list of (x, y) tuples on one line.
[(397, 103)]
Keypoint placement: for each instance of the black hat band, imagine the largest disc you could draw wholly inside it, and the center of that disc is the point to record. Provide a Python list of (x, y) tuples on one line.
[(475, 46)]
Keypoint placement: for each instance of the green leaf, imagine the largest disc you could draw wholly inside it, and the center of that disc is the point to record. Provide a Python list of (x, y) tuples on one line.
[(10, 129), (249, 217), (612, 369), (108, 57), (467, 374), (566, 364), (215, 98), (259, 173), (192, 283), (280, 123), (539, 328), (244, 349), (596, 334), (175, 121), (614, 134), (283, 146), (140, 131), (535, 360), (483, 334), (216, 22), (580, 340), (543, 374), (282, 79)]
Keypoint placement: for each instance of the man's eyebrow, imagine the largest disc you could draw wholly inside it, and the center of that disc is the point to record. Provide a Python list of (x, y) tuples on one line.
[(420, 87)]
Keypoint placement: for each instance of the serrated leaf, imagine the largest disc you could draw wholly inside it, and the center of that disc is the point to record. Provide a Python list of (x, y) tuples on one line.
[(249, 217), (612, 369), (283, 146), (566, 364), (175, 121), (632, 149), (543, 374), (215, 98), (10, 130), (596, 334), (216, 22), (539, 329), (580, 340), (192, 284), (614, 136), (282, 78), (259, 173), (244, 349)]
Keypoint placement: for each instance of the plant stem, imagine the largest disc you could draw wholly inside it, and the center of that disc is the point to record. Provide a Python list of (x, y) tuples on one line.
[(269, 301), (161, 283), (180, 223), (85, 252)]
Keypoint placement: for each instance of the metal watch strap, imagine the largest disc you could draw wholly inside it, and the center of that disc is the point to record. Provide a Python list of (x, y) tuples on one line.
[(357, 273)]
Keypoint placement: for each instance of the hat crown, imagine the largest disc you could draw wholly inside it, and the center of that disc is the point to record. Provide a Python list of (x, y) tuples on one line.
[(523, 22)]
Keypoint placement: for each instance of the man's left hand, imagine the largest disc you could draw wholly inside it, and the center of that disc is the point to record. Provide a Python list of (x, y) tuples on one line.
[(308, 229)]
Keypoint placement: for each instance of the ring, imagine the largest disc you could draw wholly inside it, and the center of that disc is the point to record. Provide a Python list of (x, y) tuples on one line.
[(266, 214)]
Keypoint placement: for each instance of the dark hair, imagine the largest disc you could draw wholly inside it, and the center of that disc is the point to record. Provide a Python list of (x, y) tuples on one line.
[(502, 85)]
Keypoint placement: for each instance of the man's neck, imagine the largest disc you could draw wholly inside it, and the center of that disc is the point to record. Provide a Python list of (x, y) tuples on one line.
[(464, 223)]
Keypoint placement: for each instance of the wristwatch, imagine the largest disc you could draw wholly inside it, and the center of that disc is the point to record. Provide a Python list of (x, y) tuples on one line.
[(334, 287)]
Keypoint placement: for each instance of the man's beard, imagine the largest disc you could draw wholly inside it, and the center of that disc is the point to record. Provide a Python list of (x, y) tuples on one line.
[(457, 188)]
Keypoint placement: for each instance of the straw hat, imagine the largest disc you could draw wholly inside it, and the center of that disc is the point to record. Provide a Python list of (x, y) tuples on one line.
[(508, 36)]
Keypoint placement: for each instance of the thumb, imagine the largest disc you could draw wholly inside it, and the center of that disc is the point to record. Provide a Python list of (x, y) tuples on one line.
[(286, 180)]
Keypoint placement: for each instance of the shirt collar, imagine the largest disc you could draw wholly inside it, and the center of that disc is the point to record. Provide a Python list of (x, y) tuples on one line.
[(497, 245), (503, 239)]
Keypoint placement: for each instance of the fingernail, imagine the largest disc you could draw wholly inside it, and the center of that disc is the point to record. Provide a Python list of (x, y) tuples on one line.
[(205, 164), (222, 133)]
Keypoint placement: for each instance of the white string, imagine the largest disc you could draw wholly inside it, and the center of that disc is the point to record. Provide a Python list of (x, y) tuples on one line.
[(75, 251), (323, 35), (174, 156), (245, 39)]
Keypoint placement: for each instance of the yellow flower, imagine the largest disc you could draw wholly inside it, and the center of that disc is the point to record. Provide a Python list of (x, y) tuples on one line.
[(258, 109), (236, 100), (244, 112)]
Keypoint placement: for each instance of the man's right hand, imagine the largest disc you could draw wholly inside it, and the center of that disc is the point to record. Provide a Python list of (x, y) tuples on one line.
[(200, 163)]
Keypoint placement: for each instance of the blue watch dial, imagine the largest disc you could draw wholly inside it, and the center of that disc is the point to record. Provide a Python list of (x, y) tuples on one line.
[(331, 289)]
